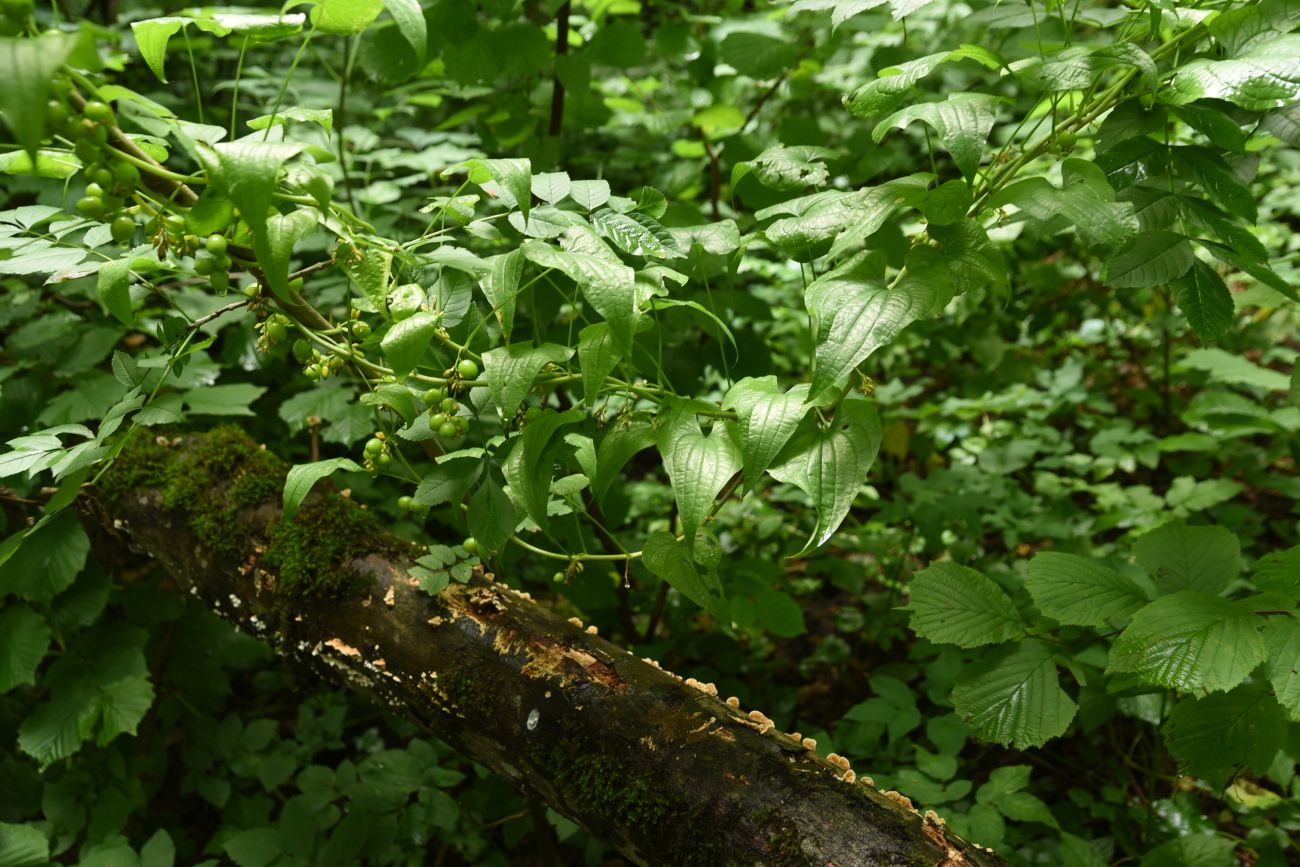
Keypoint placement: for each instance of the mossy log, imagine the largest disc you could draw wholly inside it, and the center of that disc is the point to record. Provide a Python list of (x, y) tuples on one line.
[(657, 766)]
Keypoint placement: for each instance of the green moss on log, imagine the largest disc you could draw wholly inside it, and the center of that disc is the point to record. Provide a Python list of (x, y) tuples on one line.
[(218, 478)]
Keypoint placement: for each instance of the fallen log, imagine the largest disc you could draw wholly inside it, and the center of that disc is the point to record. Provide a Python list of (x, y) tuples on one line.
[(656, 765)]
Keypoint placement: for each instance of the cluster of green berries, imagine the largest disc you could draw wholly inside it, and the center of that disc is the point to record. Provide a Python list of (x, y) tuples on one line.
[(417, 510), (358, 327), (377, 453), (443, 418), (216, 264)]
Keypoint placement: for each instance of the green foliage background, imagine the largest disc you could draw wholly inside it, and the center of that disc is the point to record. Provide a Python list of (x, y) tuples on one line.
[(922, 373)]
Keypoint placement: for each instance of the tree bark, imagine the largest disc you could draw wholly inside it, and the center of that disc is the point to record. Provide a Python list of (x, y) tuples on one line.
[(655, 765)]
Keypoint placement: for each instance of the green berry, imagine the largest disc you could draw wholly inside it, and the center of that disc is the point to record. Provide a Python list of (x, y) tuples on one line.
[(61, 87), (122, 229), (404, 503), (558, 577), (276, 331), (374, 446), (434, 395), (449, 405), (470, 545), (220, 282), (102, 175), (383, 460), (302, 351), (98, 111), (204, 267), (56, 113), (126, 175), (94, 190), (91, 206), (448, 430), (215, 244), (467, 368), (438, 419), (361, 329)]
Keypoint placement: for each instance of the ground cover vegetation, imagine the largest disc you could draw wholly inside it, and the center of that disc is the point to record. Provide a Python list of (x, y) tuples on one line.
[(921, 372)]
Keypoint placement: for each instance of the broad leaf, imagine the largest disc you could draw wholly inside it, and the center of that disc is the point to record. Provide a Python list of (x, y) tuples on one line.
[(298, 483), (114, 287), (1266, 76), (47, 561), (671, 560), (1206, 302), (409, 16), (26, 641), (1191, 642), (608, 285), (831, 465), (406, 341), (1080, 592), (1014, 697), (616, 448), (768, 418), (513, 179), (636, 232), (963, 123), (1217, 736), (345, 17), (510, 371), (26, 67), (448, 481), (491, 518), (893, 83), (1183, 557), (1282, 637), (597, 359), (529, 470), (954, 604), (698, 466)]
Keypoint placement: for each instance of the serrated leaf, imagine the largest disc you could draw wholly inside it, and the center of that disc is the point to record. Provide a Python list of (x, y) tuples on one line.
[(609, 286), (831, 465), (1191, 642), (784, 167), (510, 371), (26, 641), (1216, 736), (698, 466), (1282, 638), (597, 359), (406, 341), (1151, 259), (1187, 494), (1206, 302), (1014, 697), (954, 604), (1080, 592), (322, 117), (671, 560), (636, 232), (528, 468), (248, 172), (47, 560), (616, 448), (233, 399), (23, 845), (394, 396), (718, 238), (491, 518), (1183, 557), (302, 477), (1279, 571), (768, 418), (963, 123), (448, 482)]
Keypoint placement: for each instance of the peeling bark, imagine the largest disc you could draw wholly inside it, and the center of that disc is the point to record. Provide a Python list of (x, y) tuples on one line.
[(657, 766)]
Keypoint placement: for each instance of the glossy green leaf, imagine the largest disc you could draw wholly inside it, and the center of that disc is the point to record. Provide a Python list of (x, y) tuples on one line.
[(345, 17), (831, 465), (1014, 697), (1151, 259), (1099, 219), (45, 163), (893, 82), (407, 341), (26, 641), (114, 288), (795, 167), (671, 560), (616, 448), (248, 171), (1265, 76), (1205, 301), (500, 284), (1079, 591), (23, 845), (409, 16), (963, 122), (1282, 637), (698, 465), (608, 285), (1217, 736), (1191, 642), (510, 371), (512, 180), (636, 232), (954, 604), (597, 359), (302, 477), (151, 38), (589, 194), (1184, 557), (768, 418), (448, 482), (491, 518), (528, 469)]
